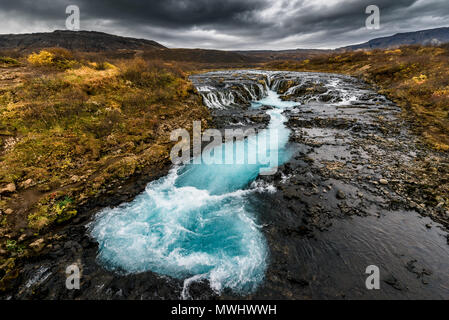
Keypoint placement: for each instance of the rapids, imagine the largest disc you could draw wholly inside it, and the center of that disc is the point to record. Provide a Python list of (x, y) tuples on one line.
[(196, 223)]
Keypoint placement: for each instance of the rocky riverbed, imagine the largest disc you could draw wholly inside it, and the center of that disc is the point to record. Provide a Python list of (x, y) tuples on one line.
[(359, 190)]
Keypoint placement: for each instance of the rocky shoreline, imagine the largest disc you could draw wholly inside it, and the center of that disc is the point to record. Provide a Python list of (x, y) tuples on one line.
[(353, 157)]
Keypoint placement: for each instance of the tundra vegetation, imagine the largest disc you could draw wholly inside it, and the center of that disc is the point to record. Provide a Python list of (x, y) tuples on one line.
[(73, 128), (76, 127)]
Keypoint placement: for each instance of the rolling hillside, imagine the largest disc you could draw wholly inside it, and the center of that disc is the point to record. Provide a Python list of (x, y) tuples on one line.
[(90, 41), (423, 37)]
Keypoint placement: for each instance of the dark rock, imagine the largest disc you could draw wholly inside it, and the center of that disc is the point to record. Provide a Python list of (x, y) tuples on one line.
[(340, 195), (392, 281)]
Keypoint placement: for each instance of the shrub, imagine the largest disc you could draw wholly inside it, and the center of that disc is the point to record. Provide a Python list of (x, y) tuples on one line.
[(57, 57), (100, 66), (9, 62), (40, 59)]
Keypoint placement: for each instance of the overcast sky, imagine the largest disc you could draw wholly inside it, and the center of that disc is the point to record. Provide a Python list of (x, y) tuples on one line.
[(230, 24)]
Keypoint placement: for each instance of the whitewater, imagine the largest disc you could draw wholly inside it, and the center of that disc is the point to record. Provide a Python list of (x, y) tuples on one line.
[(197, 223)]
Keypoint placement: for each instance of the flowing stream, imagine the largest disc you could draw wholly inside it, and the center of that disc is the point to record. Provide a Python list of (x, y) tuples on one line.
[(196, 222), (225, 224)]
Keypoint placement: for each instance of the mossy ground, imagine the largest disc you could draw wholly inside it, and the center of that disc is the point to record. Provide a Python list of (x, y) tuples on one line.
[(76, 126), (72, 129)]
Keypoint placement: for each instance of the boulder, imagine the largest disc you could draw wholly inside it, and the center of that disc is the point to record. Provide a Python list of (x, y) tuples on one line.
[(9, 188)]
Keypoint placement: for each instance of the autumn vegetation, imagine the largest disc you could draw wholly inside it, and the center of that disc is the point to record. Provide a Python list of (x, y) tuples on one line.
[(73, 129), (415, 77)]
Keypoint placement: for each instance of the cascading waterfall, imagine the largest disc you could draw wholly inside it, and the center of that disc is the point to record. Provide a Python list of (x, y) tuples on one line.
[(197, 223), (216, 99)]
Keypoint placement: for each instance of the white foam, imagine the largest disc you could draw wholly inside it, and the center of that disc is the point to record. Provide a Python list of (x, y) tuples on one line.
[(196, 222)]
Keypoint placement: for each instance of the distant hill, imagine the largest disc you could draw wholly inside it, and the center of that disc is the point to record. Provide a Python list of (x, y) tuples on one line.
[(293, 54), (199, 56), (116, 46), (88, 41), (423, 37), (93, 41)]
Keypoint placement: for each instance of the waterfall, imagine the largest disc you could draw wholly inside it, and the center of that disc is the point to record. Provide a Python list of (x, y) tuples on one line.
[(197, 223), (219, 98)]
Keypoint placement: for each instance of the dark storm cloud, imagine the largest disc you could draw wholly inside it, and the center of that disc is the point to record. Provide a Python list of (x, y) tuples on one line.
[(163, 13), (175, 13), (268, 24)]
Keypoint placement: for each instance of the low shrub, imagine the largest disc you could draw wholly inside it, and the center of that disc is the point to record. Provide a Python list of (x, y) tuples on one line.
[(54, 57), (8, 62)]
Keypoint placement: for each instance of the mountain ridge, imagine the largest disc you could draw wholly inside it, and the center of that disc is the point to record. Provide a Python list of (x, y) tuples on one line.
[(92, 41), (434, 36)]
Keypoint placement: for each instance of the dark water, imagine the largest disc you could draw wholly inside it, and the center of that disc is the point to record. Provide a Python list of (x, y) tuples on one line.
[(200, 222), (413, 260)]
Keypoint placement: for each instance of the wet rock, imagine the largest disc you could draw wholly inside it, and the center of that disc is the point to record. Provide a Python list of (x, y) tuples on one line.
[(295, 279), (413, 205), (291, 193), (340, 195), (260, 118), (421, 273), (199, 290), (394, 282)]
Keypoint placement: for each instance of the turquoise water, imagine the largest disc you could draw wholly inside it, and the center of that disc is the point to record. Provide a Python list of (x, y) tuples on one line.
[(197, 222)]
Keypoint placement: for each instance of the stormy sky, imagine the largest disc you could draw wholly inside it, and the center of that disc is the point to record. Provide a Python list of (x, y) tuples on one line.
[(230, 24)]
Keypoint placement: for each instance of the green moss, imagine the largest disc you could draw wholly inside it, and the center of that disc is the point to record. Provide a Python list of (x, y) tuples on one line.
[(13, 246), (8, 62), (123, 168), (50, 211)]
